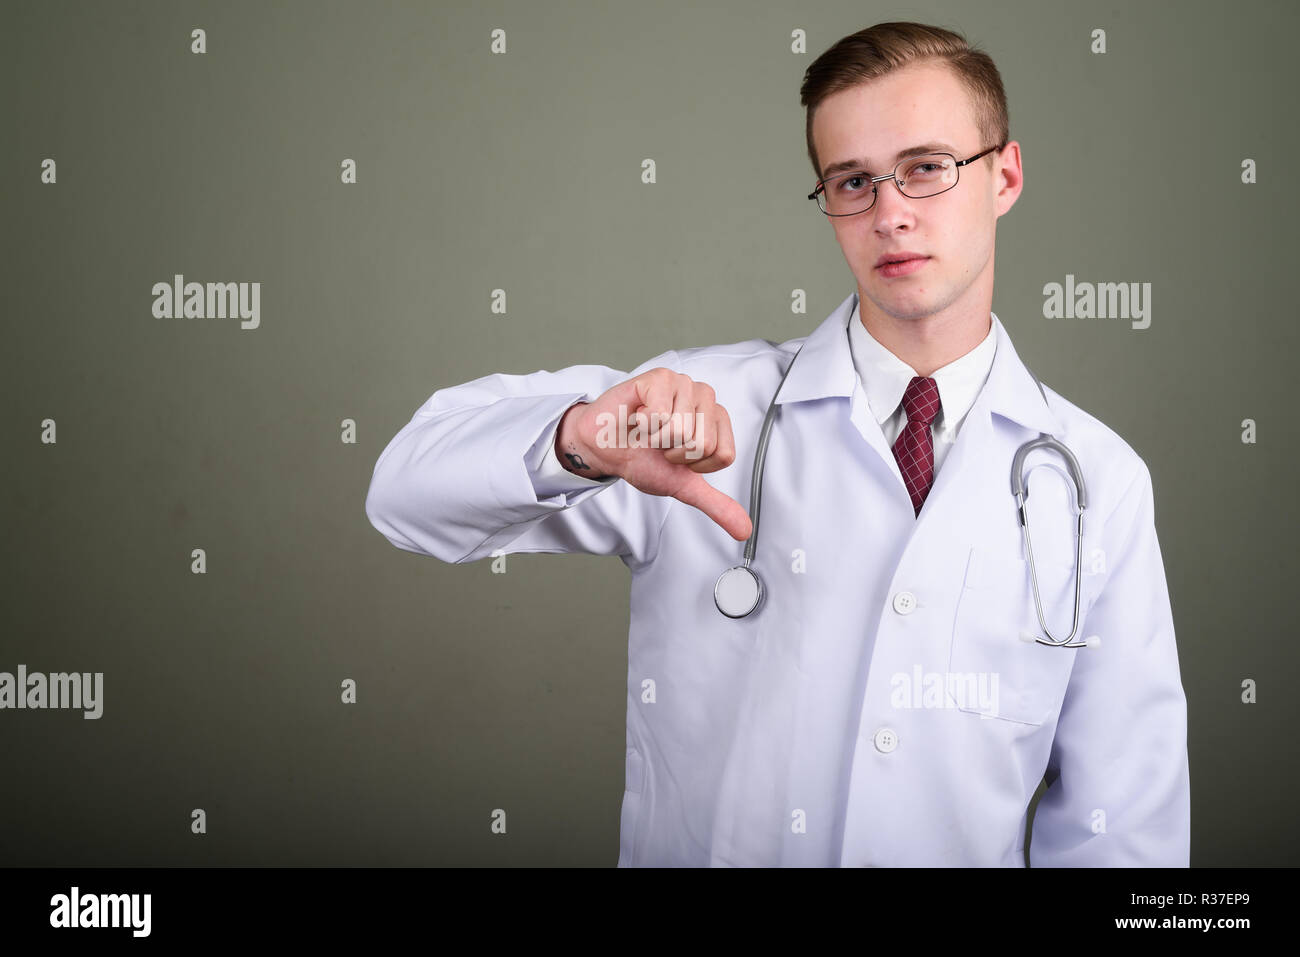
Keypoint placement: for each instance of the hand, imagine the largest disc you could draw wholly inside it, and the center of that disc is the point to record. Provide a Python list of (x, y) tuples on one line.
[(675, 431)]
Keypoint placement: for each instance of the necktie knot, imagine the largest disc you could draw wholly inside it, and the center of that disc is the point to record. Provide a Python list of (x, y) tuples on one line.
[(921, 400)]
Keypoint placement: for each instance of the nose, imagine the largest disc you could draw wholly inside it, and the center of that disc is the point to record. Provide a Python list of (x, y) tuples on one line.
[(891, 208)]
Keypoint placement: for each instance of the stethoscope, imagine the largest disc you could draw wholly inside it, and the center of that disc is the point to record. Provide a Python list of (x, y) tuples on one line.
[(739, 591)]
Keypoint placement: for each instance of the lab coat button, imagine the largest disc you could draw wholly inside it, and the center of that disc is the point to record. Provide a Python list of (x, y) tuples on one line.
[(886, 740), (904, 602)]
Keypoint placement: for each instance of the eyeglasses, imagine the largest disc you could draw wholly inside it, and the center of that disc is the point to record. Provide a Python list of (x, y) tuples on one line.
[(917, 177)]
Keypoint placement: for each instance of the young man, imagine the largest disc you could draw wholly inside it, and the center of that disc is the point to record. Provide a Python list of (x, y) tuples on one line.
[(886, 703)]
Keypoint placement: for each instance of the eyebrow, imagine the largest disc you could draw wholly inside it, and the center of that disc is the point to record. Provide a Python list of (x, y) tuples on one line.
[(864, 165)]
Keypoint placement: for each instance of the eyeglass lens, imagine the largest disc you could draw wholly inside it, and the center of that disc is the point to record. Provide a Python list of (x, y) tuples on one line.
[(918, 177)]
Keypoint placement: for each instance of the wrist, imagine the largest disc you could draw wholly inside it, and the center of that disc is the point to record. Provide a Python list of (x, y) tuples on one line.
[(574, 454)]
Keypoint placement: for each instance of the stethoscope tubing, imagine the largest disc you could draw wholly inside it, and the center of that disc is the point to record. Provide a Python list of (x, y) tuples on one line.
[(740, 604)]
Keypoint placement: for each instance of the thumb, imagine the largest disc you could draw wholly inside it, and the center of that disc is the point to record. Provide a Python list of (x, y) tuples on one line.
[(723, 509)]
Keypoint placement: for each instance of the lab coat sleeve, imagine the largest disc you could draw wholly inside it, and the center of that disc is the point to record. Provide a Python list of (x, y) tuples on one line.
[(548, 475), (1118, 792), (474, 472)]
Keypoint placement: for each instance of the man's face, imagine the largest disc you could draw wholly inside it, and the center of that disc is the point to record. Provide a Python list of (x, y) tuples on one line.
[(874, 121)]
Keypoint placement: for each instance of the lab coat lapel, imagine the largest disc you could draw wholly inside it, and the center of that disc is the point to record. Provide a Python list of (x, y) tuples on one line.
[(865, 422), (824, 369), (1010, 391)]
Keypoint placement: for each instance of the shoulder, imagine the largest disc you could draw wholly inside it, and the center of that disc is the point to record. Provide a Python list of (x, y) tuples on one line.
[(741, 373), (754, 353), (1109, 462)]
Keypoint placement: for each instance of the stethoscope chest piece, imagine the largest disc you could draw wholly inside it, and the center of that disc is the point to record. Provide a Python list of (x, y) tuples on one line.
[(738, 591)]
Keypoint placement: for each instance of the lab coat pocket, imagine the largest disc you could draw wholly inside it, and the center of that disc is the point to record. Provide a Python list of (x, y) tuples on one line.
[(993, 671)]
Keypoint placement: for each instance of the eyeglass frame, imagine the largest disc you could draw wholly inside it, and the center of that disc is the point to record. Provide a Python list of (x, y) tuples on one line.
[(875, 192)]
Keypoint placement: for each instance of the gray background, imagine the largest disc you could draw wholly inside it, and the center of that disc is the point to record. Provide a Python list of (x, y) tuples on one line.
[(522, 171)]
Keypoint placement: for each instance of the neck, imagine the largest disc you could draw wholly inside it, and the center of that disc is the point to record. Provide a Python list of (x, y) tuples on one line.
[(929, 342)]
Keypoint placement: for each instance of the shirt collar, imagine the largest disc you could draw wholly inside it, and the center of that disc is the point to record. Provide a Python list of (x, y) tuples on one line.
[(885, 376), (824, 368)]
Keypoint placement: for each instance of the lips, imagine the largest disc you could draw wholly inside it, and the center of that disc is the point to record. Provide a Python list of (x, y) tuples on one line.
[(901, 257), (904, 267)]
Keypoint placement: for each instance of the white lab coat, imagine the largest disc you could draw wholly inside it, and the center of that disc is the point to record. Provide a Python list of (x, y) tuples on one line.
[(793, 736)]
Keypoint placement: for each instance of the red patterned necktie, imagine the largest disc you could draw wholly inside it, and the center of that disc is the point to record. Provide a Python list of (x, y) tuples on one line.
[(914, 449)]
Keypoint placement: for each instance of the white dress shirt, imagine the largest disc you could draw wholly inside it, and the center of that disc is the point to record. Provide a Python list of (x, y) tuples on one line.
[(885, 377)]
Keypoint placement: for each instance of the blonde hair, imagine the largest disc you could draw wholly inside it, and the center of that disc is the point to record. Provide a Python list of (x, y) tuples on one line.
[(879, 50)]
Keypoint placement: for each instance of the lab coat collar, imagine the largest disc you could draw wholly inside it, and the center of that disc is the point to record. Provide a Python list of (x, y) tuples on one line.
[(824, 369), (885, 376)]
